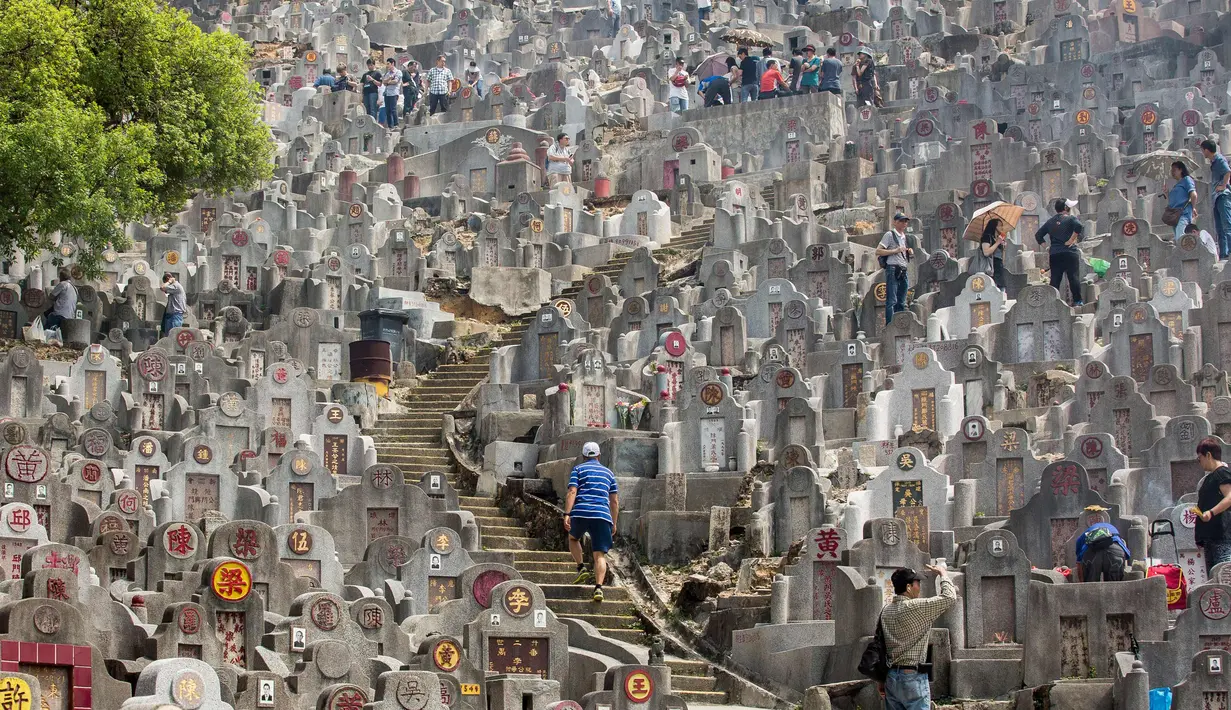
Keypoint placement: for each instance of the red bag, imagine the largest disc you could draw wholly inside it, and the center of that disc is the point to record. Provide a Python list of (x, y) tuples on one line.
[(1177, 586), (679, 80)]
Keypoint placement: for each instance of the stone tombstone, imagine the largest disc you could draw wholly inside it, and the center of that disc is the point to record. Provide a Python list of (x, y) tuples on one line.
[(232, 609), (909, 490), (1010, 474), (1048, 522), (519, 634), (282, 398), (1123, 411), (96, 378), (432, 574), (1168, 468), (186, 682), (1097, 452), (300, 481), (23, 397), (20, 531), (1184, 552), (884, 548), (708, 431), (309, 550), (1038, 328), (1206, 682), (145, 463), (798, 494), (200, 485), (538, 353), (924, 396), (996, 576), (336, 435), (1138, 343), (384, 504), (30, 478)]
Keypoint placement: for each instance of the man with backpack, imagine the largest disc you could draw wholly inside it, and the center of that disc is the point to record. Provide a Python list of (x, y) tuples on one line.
[(906, 624), (894, 256), (1102, 553)]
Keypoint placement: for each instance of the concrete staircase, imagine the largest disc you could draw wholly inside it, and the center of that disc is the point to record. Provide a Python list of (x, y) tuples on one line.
[(413, 442)]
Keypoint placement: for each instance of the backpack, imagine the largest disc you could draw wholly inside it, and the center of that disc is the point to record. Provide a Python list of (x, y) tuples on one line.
[(875, 660), (884, 260), (1099, 539)]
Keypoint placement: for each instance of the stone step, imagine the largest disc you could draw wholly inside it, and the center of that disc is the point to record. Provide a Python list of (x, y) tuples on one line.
[(563, 576), (541, 567), (624, 612), (603, 621), (415, 471), (484, 511), (494, 521), (428, 458), (442, 385), (633, 636), (503, 531), (683, 667), (692, 683), (423, 427), (411, 446), (409, 439), (566, 592), (702, 698), (542, 556), (505, 543), (433, 397), (476, 501)]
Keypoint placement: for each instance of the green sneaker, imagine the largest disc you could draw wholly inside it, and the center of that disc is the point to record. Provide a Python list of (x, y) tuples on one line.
[(583, 576), (598, 594)]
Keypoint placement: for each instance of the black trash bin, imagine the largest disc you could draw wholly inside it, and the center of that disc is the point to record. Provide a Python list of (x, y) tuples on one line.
[(384, 324)]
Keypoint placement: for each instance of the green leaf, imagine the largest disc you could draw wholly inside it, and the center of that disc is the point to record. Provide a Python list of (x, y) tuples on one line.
[(117, 111)]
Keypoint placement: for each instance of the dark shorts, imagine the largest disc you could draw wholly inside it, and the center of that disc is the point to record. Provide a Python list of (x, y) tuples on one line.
[(600, 532)]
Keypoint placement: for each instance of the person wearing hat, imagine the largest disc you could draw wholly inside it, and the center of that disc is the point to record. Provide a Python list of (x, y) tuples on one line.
[(863, 75), (1064, 230), (907, 622), (894, 256), (1101, 552), (592, 506), (810, 77)]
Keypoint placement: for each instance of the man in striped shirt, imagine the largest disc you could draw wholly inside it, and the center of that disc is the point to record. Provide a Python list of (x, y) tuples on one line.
[(592, 506)]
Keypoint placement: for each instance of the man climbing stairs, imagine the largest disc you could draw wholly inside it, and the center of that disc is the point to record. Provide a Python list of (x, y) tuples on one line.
[(413, 442)]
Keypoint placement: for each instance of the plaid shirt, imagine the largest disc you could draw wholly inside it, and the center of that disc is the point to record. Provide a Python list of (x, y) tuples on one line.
[(438, 79), (907, 623)]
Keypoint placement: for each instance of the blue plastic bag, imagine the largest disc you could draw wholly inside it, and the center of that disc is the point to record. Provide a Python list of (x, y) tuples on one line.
[(1160, 699)]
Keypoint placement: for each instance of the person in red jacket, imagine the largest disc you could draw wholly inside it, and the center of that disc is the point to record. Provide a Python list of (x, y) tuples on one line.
[(772, 80)]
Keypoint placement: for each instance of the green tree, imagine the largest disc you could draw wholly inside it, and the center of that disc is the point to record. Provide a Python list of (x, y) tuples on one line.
[(117, 111)]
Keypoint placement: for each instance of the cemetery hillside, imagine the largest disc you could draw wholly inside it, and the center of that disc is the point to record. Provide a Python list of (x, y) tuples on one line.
[(614, 355)]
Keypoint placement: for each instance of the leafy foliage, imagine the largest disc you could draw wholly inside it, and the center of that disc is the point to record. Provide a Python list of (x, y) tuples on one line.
[(116, 111)]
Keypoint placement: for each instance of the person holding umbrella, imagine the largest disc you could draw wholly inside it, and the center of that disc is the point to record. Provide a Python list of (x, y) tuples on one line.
[(990, 226), (991, 245)]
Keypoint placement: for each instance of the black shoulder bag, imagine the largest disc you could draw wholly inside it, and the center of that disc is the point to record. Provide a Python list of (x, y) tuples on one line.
[(875, 660)]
